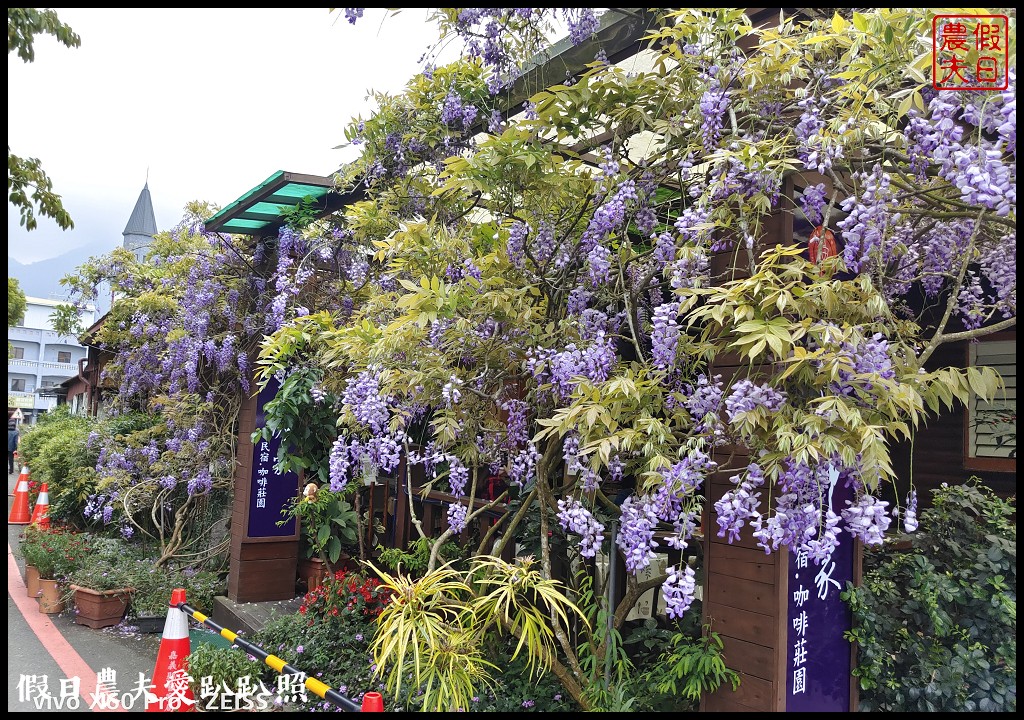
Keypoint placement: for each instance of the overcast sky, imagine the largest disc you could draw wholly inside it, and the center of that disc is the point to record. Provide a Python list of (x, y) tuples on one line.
[(209, 102)]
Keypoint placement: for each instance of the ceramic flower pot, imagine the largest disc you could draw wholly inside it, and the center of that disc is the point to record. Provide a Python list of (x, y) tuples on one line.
[(50, 600), (32, 580), (313, 571), (100, 608)]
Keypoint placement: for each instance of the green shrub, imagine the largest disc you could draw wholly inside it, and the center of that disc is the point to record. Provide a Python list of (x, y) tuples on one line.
[(154, 585), (414, 560), (691, 667), (106, 565), (55, 551), (56, 452), (220, 676), (936, 625)]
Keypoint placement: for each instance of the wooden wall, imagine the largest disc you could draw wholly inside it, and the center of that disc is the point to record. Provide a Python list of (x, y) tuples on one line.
[(744, 594), (745, 603), (937, 454)]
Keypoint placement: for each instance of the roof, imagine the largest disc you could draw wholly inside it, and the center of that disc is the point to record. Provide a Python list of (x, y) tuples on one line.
[(621, 33), (261, 211), (86, 337), (29, 300), (143, 221)]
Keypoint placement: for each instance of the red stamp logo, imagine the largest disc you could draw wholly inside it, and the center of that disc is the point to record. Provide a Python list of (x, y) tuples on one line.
[(970, 52)]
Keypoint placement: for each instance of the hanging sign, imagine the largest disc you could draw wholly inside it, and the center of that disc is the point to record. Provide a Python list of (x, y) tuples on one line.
[(819, 661), (270, 491)]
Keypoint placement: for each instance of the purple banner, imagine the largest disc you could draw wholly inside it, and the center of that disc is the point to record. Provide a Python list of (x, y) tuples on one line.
[(270, 491), (818, 661)]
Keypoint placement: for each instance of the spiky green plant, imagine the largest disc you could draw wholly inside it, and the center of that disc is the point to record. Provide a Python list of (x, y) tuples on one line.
[(523, 602), (426, 636)]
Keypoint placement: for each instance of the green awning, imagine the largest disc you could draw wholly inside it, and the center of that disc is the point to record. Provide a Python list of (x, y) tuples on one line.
[(260, 211)]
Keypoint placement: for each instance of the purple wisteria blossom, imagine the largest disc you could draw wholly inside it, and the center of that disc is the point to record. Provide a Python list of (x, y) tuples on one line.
[(562, 369), (704, 401), (867, 519), (516, 432), (714, 103), (522, 465), (457, 517), (910, 522), (575, 518), (339, 464), (362, 395), (665, 335), (451, 393), (516, 246), (812, 201), (456, 113), (739, 506), (636, 536), (746, 396), (458, 476), (857, 363), (817, 151), (679, 590)]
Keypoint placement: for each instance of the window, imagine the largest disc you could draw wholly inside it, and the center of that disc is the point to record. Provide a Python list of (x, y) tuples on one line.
[(46, 384), (18, 385), (17, 353), (991, 427), (64, 356)]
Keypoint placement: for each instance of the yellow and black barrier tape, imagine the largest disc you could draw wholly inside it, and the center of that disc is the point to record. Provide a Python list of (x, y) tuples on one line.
[(315, 686)]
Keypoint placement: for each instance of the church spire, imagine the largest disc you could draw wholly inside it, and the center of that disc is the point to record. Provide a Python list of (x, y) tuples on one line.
[(141, 227)]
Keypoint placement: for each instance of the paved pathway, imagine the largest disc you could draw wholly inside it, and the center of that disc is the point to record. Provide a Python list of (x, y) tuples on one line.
[(51, 653)]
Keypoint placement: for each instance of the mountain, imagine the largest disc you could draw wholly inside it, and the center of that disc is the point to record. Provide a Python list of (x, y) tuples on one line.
[(42, 279)]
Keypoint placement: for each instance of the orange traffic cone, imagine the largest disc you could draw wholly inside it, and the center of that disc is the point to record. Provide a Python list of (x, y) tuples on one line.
[(171, 691), (41, 512), (372, 702), (19, 510)]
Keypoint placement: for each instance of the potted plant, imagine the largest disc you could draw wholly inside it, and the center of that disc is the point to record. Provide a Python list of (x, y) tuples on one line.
[(154, 585), (330, 528), (218, 677), (100, 586), (55, 553), (31, 550)]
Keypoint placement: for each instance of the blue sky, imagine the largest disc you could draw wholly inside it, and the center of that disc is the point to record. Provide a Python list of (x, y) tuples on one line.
[(209, 102)]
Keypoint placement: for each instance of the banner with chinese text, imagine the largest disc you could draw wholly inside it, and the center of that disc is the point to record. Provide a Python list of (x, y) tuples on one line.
[(819, 658), (270, 491)]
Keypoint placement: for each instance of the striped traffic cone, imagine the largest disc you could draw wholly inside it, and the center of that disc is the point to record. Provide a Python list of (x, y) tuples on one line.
[(20, 514), (41, 512), (171, 691)]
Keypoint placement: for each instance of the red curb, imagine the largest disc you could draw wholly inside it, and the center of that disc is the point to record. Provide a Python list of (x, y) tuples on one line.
[(66, 657)]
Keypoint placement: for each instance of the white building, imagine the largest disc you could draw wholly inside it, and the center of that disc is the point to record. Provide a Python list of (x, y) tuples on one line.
[(41, 359)]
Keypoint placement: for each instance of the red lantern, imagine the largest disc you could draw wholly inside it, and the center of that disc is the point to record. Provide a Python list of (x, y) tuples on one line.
[(821, 245)]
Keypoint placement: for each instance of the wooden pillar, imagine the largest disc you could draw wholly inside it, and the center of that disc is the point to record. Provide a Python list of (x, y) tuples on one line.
[(264, 557), (744, 601), (779, 616)]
